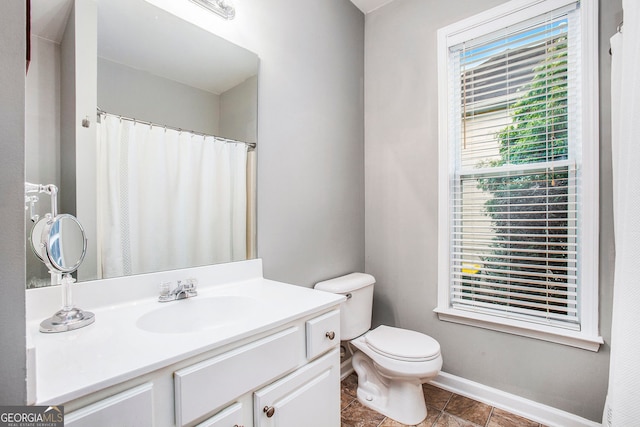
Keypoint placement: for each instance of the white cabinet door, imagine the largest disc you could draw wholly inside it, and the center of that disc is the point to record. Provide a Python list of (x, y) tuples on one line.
[(308, 397), (131, 408)]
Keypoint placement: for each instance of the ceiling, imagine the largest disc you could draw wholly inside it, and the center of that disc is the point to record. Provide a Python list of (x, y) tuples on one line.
[(49, 17), (367, 6), (147, 38)]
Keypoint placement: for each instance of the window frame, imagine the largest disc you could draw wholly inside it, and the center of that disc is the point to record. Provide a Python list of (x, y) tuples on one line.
[(510, 13)]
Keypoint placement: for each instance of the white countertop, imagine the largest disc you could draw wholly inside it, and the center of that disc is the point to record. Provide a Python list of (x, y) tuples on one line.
[(113, 349)]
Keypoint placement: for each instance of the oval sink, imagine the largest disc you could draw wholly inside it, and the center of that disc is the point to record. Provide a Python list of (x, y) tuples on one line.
[(198, 314)]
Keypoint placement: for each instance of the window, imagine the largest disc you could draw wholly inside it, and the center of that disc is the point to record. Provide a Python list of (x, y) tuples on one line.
[(518, 171)]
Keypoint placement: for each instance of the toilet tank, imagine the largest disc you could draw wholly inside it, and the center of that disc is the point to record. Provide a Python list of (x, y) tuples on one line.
[(355, 312)]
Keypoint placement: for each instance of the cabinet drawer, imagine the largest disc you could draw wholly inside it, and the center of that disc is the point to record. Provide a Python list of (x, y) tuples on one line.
[(323, 333), (130, 408), (206, 386), (228, 417)]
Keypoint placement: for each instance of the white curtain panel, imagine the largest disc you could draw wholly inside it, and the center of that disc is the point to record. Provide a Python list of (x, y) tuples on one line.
[(168, 199), (623, 407)]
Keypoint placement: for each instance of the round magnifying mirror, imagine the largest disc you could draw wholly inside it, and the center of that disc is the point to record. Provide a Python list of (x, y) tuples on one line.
[(65, 243), (36, 239)]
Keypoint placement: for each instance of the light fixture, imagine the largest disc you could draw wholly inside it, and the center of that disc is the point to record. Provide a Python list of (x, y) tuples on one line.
[(219, 7)]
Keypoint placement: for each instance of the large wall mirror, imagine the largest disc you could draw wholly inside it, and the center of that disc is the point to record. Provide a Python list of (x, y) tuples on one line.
[(147, 124)]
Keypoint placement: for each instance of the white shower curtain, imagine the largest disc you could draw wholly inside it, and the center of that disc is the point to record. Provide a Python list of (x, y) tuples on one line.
[(623, 402), (167, 199)]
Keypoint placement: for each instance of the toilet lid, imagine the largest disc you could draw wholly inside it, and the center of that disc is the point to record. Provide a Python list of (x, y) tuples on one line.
[(402, 344)]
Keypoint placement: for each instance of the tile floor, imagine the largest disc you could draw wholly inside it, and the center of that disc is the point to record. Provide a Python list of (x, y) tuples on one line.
[(444, 409)]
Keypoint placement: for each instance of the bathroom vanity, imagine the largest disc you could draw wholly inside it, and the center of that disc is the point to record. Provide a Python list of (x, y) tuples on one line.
[(246, 351)]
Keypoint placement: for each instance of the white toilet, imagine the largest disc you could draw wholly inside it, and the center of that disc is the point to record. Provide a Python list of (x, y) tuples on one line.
[(391, 363)]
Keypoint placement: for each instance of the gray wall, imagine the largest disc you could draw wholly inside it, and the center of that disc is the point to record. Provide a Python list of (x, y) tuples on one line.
[(401, 180), (239, 111), (69, 93), (141, 95), (12, 244), (42, 136), (310, 137)]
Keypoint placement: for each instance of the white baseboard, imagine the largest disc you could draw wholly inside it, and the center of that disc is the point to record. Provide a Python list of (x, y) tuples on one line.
[(547, 415)]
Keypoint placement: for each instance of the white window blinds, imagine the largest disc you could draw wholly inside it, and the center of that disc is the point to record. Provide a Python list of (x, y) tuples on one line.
[(514, 182)]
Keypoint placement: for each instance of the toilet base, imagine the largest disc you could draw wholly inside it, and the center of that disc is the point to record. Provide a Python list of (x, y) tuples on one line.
[(399, 399)]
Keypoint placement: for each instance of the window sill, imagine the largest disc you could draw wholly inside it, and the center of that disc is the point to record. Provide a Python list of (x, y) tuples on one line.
[(579, 339)]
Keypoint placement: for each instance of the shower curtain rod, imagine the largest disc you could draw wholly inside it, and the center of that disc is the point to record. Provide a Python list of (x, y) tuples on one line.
[(252, 145)]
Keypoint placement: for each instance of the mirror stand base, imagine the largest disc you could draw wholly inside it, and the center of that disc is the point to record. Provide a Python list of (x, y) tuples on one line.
[(67, 320)]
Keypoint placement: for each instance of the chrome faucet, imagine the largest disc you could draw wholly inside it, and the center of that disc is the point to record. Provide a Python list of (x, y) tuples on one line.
[(185, 289)]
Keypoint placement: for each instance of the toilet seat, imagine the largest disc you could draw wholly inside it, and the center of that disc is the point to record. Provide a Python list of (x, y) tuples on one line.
[(402, 344)]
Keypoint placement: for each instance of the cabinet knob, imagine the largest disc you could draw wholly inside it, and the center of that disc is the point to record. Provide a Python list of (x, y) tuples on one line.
[(269, 410), (331, 335)]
